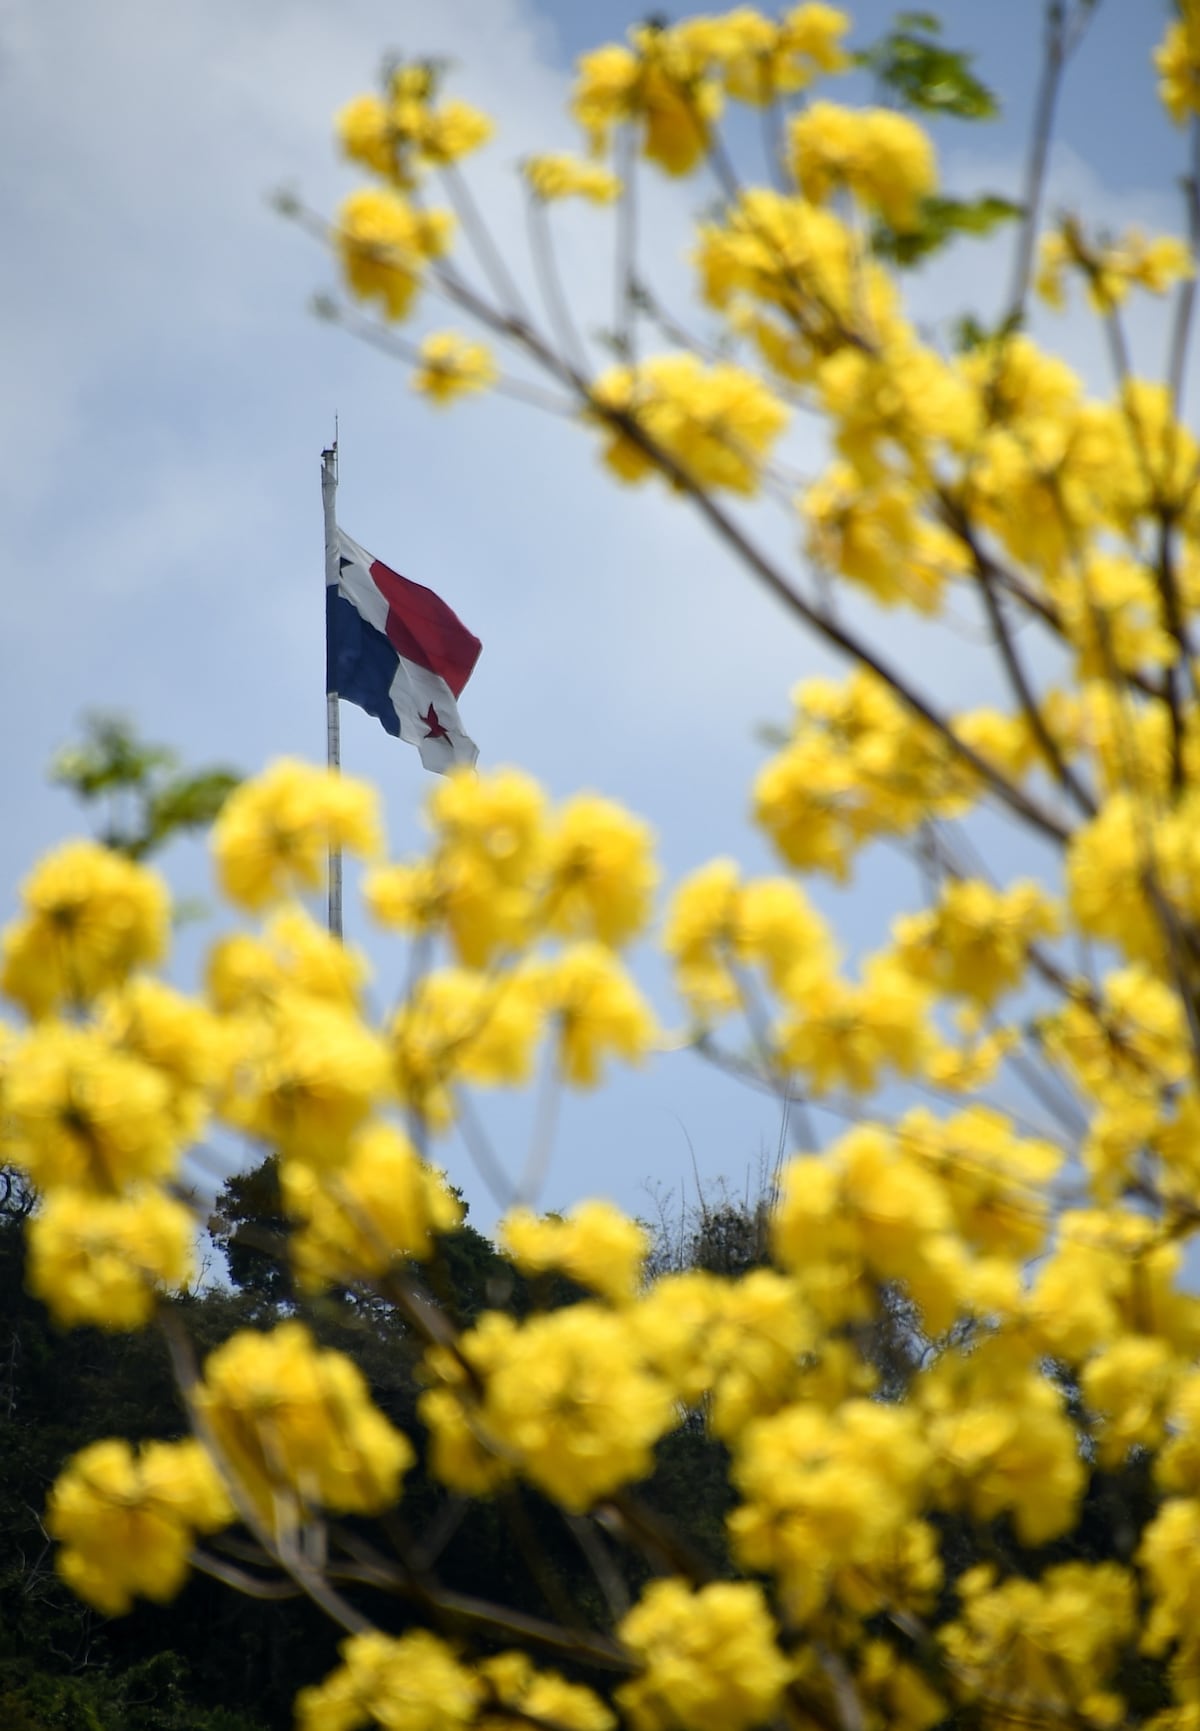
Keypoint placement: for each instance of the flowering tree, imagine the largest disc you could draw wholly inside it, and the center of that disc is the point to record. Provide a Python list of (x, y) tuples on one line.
[(910, 1553)]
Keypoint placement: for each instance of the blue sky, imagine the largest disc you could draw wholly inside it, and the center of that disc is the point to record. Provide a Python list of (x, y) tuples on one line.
[(168, 394)]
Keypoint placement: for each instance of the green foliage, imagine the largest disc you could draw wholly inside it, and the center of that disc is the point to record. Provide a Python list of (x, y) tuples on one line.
[(148, 798), (943, 220), (915, 68)]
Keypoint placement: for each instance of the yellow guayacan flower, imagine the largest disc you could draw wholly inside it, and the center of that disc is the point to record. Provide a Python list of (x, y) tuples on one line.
[(540, 1696), (295, 1427), (499, 815), (174, 1035), (1001, 1440), (882, 157), (83, 1115), (975, 943), (846, 1036), (274, 833), (367, 135), (383, 1203), (413, 1683), (453, 366), (1177, 60), (596, 1011), (459, 1026), (600, 873), (386, 245), (790, 258), (90, 918), (568, 1401), (595, 1244), (452, 131), (718, 422), (994, 1180), (825, 1491), (760, 58), (248, 974), (1129, 1388), (708, 1658), (660, 85), (127, 1521), (716, 925), (1110, 268), (896, 406), (1046, 1648), (1130, 1042), (100, 1260), (867, 1212), (1169, 1560), (876, 536), (560, 176), (311, 1074)]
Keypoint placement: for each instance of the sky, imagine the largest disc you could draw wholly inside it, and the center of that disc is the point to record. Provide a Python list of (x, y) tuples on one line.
[(168, 393)]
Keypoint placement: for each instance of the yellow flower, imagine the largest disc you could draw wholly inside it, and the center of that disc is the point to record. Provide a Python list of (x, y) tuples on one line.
[(85, 1116), (596, 1009), (883, 158), (823, 1492), (385, 246), (1129, 1043), (844, 1036), (596, 1245), (1046, 1647), (366, 133), (1169, 1558), (600, 872), (1129, 1388), (1110, 268), (561, 176), (760, 59), (383, 1203), (1177, 60), (709, 1659), (274, 833), (660, 84), (994, 1181), (877, 536), (454, 130), (100, 1260), (716, 422), (1001, 1440), (311, 1075), (127, 1521), (569, 1402), (90, 918), (249, 975), (453, 366), (975, 943), (538, 1697), (459, 1026), (295, 1426), (411, 1683), (175, 1036)]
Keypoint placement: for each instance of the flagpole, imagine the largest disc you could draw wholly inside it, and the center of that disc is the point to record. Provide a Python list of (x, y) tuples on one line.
[(333, 724)]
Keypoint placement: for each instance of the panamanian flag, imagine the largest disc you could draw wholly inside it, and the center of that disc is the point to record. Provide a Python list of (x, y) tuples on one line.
[(395, 649)]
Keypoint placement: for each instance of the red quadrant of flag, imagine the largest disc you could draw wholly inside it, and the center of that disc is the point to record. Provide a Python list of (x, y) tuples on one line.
[(423, 629)]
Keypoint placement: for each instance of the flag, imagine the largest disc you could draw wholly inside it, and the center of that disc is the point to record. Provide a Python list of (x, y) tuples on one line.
[(396, 650)]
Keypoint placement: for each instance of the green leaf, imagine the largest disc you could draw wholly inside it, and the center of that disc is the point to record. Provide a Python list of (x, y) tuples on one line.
[(922, 74), (148, 798), (942, 220), (967, 333)]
